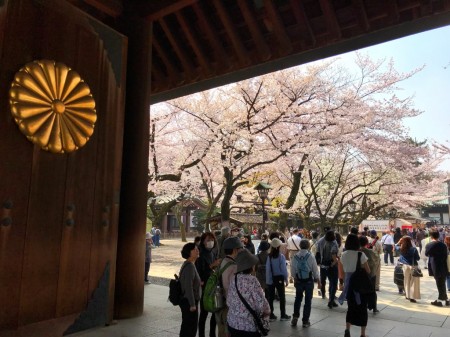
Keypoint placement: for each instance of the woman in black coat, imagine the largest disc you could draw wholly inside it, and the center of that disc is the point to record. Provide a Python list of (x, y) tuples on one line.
[(248, 244), (205, 264)]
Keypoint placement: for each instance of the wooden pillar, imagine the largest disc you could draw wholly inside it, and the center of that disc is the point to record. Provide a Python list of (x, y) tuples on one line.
[(129, 293)]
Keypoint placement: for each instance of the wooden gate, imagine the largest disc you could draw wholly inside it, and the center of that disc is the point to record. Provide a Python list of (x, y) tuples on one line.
[(59, 212)]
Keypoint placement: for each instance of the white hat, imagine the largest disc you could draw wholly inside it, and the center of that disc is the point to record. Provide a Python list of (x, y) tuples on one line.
[(148, 235), (275, 242)]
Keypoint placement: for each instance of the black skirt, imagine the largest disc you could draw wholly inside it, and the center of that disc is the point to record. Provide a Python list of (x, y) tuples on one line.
[(356, 313)]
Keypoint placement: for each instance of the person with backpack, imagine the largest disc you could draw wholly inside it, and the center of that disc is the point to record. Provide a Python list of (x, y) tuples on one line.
[(277, 279), (206, 263), (306, 273), (232, 246), (329, 267), (190, 288)]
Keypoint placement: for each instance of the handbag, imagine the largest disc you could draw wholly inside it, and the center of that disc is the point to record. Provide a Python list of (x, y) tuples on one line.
[(415, 270), (360, 281), (262, 324)]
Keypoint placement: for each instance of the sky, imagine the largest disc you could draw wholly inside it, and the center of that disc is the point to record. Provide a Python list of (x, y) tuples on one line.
[(431, 86)]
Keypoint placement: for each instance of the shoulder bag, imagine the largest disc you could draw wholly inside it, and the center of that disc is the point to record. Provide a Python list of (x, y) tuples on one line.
[(360, 281), (262, 324), (415, 270)]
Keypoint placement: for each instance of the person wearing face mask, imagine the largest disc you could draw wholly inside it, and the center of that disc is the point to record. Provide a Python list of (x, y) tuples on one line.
[(205, 264)]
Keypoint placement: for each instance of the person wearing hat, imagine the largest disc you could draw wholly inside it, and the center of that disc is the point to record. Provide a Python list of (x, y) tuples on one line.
[(262, 256), (148, 256), (224, 234), (240, 320), (231, 247), (277, 278)]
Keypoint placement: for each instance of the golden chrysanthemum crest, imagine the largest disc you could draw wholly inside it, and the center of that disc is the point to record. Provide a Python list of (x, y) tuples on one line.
[(52, 106)]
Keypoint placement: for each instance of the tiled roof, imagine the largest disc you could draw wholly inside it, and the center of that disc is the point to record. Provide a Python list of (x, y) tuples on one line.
[(251, 219)]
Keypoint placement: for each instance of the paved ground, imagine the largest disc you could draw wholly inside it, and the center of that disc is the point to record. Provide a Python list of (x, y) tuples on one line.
[(398, 317)]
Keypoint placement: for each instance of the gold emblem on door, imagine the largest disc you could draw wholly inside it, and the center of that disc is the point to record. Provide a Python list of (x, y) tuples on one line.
[(52, 106)]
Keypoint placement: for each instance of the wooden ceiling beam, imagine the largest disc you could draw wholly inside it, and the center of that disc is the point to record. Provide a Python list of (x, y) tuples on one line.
[(278, 27), (232, 33), (158, 77), (175, 7), (219, 52), (202, 59), (113, 8), (264, 52), (330, 18), (361, 14), (183, 57), (391, 8), (301, 18), (172, 72)]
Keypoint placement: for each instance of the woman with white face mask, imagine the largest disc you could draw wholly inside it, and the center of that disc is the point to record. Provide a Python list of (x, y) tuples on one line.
[(205, 264)]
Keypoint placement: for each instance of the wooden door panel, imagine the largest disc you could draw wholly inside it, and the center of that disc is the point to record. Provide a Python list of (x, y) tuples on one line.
[(46, 260)]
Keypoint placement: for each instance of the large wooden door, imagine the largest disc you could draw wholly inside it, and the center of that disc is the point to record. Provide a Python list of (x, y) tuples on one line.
[(59, 212)]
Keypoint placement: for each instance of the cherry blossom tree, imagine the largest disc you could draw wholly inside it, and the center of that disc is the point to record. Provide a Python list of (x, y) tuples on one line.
[(225, 137)]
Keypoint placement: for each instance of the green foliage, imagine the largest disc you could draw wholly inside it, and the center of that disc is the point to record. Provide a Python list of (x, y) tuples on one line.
[(199, 220)]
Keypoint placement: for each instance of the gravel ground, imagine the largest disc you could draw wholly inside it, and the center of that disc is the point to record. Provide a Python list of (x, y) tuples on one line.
[(166, 261)]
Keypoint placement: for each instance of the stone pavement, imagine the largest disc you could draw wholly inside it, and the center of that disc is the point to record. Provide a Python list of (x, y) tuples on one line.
[(397, 317)]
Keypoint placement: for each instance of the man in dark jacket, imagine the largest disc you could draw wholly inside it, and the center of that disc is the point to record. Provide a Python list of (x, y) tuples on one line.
[(437, 266)]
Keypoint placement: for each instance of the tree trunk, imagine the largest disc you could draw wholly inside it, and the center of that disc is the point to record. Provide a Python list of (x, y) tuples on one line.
[(178, 212), (228, 194)]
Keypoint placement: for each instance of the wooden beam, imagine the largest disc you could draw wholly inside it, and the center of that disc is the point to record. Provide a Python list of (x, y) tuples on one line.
[(361, 13), (172, 72), (221, 56), (264, 52), (278, 27), (203, 61), (112, 8), (391, 8), (330, 18), (232, 33), (184, 59), (175, 7), (302, 19), (159, 79)]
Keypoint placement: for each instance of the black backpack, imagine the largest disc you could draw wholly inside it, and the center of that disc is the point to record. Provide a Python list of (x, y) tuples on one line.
[(175, 291)]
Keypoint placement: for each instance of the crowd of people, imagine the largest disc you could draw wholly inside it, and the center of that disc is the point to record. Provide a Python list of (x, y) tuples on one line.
[(255, 277)]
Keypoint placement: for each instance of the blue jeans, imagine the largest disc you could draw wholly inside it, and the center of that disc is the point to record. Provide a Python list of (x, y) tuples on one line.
[(307, 288), (448, 283)]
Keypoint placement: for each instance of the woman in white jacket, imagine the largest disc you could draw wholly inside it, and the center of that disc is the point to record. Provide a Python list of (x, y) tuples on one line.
[(423, 257)]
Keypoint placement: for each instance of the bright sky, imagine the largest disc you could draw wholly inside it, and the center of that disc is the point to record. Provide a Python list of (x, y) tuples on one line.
[(431, 86)]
